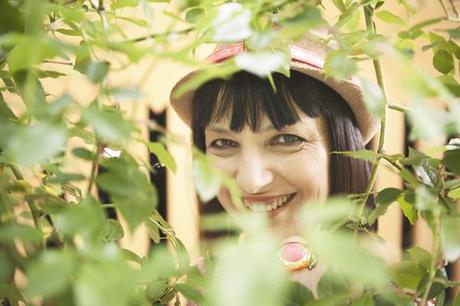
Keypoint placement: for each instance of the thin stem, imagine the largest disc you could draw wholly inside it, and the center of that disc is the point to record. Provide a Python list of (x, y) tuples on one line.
[(380, 81), (444, 8), (143, 38), (454, 8), (394, 164), (94, 167), (400, 108), (32, 207), (108, 205), (58, 62), (99, 7), (434, 260)]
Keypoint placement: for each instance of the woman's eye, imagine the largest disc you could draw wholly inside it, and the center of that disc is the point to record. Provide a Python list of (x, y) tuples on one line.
[(223, 144), (288, 139)]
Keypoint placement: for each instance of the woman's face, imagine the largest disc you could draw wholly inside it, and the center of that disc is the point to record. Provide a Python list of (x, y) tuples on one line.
[(277, 171)]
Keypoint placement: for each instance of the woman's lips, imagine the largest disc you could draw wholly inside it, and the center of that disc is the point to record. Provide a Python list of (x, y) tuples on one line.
[(267, 203)]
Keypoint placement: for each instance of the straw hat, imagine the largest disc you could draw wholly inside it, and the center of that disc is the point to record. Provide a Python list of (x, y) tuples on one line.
[(307, 56)]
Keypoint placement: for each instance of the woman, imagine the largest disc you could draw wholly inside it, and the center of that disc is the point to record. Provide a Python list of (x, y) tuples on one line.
[(277, 144)]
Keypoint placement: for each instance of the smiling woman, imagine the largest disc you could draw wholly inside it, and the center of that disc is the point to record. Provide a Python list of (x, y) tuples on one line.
[(277, 141)]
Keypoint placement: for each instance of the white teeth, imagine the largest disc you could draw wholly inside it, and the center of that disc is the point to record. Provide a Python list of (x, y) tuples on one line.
[(266, 206)]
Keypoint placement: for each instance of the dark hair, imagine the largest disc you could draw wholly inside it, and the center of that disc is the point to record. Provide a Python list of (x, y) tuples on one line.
[(246, 98)]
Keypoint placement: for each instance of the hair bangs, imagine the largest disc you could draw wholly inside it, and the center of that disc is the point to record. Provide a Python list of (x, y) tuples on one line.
[(244, 100)]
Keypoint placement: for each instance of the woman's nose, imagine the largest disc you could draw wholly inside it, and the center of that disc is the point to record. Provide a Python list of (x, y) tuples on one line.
[(253, 174)]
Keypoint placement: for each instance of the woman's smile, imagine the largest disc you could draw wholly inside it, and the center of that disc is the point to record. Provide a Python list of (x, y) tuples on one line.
[(267, 203)]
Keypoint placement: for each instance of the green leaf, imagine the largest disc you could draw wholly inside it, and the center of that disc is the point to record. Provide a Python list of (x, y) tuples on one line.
[(456, 301), (123, 94), (380, 210), (69, 32), (390, 297), (409, 177), (453, 48), (339, 65), (163, 155), (160, 265), (389, 17), (207, 181), (374, 98), (10, 292), (221, 221), (57, 268), (30, 51), (57, 107), (85, 219), (194, 15), (454, 193), (421, 256), (50, 74), (436, 288), (298, 294), (190, 293), (6, 114), (384, 199), (388, 195), (27, 146), (11, 19), (349, 13), (452, 160), (113, 231), (426, 23), (83, 153), (155, 289), (343, 254), (152, 230), (451, 239), (129, 190), (455, 33), (140, 22), (368, 155), (97, 71), (443, 61), (105, 282), (61, 178), (181, 251), (332, 284), (7, 268), (339, 5), (124, 3), (130, 256), (408, 207), (364, 300), (451, 83), (255, 260), (109, 124), (24, 233), (425, 200), (407, 274), (426, 168)]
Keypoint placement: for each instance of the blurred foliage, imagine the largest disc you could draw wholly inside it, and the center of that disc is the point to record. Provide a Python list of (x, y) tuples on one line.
[(58, 235)]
